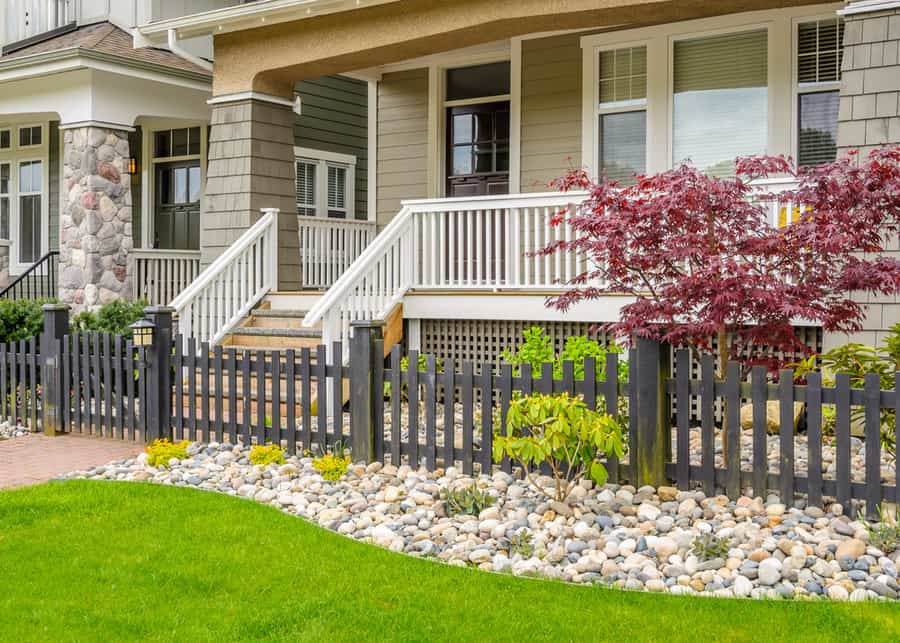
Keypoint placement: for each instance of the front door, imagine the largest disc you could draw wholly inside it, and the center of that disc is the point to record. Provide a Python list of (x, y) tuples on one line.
[(177, 215), (478, 149)]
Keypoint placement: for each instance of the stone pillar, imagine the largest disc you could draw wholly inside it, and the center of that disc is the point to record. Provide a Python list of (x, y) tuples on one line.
[(251, 166), (95, 235), (869, 117)]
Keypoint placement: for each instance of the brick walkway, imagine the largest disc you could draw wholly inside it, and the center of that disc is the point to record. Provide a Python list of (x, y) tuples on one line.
[(34, 458)]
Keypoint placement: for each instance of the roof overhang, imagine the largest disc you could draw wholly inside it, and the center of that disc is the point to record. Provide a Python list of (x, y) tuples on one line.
[(245, 16)]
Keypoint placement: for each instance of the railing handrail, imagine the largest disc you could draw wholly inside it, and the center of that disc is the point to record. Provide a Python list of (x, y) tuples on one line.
[(357, 271), (163, 253), (496, 202), (254, 232), (331, 223), (28, 271)]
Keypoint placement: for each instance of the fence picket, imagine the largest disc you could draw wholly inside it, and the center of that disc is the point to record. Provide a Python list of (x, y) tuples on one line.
[(98, 400), (412, 396), (378, 442), (260, 373), (192, 388), (231, 366), (178, 381), (246, 399), (759, 395), (23, 383), (337, 410), (487, 417), (683, 417), (842, 437), (219, 379), (306, 398), (786, 434), (34, 379), (733, 430), (430, 385), (449, 392), (107, 384), (610, 388), (506, 398), (632, 415), (119, 389), (130, 420), (275, 432), (468, 423), (205, 420), (872, 399), (321, 396), (290, 378), (707, 427), (814, 439)]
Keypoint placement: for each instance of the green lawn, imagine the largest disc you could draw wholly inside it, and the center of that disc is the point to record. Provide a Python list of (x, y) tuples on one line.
[(86, 561)]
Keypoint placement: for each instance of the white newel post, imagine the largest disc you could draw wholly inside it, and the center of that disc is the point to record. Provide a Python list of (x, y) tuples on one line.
[(271, 249)]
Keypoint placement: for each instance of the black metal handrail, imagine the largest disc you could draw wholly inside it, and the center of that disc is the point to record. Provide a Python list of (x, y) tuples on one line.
[(37, 282)]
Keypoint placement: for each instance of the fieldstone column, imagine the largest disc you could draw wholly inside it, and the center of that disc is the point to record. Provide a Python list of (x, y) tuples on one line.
[(95, 235), (869, 117), (251, 166)]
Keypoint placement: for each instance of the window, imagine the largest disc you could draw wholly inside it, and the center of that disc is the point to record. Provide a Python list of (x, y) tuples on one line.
[(819, 49), (622, 113), (720, 97), (5, 139), (478, 81), (177, 142), (324, 183), (4, 200), (30, 187), (30, 136)]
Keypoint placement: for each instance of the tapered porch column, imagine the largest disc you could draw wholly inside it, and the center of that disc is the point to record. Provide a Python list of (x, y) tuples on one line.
[(251, 166)]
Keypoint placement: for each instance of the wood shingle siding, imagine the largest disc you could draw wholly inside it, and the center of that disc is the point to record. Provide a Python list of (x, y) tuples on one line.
[(551, 109), (402, 140), (334, 119)]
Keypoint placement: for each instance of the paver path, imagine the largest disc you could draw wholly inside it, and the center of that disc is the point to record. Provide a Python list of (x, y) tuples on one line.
[(33, 459)]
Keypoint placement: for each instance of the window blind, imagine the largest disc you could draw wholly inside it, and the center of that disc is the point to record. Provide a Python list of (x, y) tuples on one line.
[(306, 188), (623, 75), (720, 99), (819, 50), (337, 191), (817, 138), (623, 145)]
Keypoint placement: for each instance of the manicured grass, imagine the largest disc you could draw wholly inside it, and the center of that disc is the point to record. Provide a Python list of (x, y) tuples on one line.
[(116, 562)]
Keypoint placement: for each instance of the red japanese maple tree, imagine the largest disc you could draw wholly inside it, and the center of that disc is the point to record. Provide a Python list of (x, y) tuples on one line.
[(702, 259)]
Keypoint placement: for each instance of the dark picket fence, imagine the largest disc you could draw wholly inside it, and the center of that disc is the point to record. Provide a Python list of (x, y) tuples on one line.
[(447, 415)]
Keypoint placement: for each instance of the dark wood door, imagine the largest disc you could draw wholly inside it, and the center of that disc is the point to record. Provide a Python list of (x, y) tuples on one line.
[(478, 149)]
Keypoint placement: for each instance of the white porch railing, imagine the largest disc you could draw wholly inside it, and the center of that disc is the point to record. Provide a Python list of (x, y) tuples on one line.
[(232, 284), (480, 243), (161, 275), (328, 247)]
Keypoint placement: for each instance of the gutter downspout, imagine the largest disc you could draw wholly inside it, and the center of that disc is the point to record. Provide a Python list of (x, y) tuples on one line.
[(176, 49)]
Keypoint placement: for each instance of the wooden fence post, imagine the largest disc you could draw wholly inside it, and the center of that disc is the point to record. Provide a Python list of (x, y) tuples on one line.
[(53, 398), (364, 388), (159, 375), (652, 412)]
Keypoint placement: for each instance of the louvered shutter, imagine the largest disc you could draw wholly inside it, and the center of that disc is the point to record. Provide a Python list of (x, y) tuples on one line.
[(306, 188)]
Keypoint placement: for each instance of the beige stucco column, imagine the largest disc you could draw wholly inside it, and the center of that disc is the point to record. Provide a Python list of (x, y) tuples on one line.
[(251, 166)]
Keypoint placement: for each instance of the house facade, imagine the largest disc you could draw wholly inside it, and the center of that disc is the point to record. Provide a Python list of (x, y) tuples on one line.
[(406, 149)]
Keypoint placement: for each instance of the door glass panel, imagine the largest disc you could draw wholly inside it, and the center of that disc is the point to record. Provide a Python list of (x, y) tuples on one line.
[(502, 159), (462, 160), (194, 140), (163, 144), (462, 128), (179, 142), (484, 127), (194, 183), (181, 186)]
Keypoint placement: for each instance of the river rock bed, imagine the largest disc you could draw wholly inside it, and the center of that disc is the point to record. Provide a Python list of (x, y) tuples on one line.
[(9, 431), (618, 536)]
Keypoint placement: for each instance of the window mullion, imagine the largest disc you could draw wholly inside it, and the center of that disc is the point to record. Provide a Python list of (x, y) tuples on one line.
[(322, 189)]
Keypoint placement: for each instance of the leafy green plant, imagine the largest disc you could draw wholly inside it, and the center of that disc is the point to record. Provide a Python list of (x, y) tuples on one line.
[(21, 319), (561, 431), (536, 350), (159, 452), (709, 546), (469, 500), (857, 360), (885, 534), (332, 463), (266, 455), (522, 543), (115, 317)]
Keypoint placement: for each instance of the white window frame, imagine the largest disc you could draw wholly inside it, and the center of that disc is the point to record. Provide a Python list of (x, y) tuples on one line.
[(15, 155), (798, 88), (8, 196), (620, 107), (659, 40), (323, 159)]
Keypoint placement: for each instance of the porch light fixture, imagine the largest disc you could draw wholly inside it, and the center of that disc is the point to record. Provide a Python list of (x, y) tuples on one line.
[(142, 332), (132, 165)]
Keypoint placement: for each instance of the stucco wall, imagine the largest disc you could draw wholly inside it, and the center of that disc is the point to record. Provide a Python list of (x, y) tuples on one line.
[(402, 140), (551, 109), (869, 117), (334, 118)]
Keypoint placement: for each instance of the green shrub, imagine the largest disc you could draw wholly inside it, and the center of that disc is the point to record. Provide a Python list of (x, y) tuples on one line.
[(21, 319), (161, 451), (266, 455), (537, 350), (522, 543), (885, 534), (709, 546), (115, 317), (561, 431), (469, 500)]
